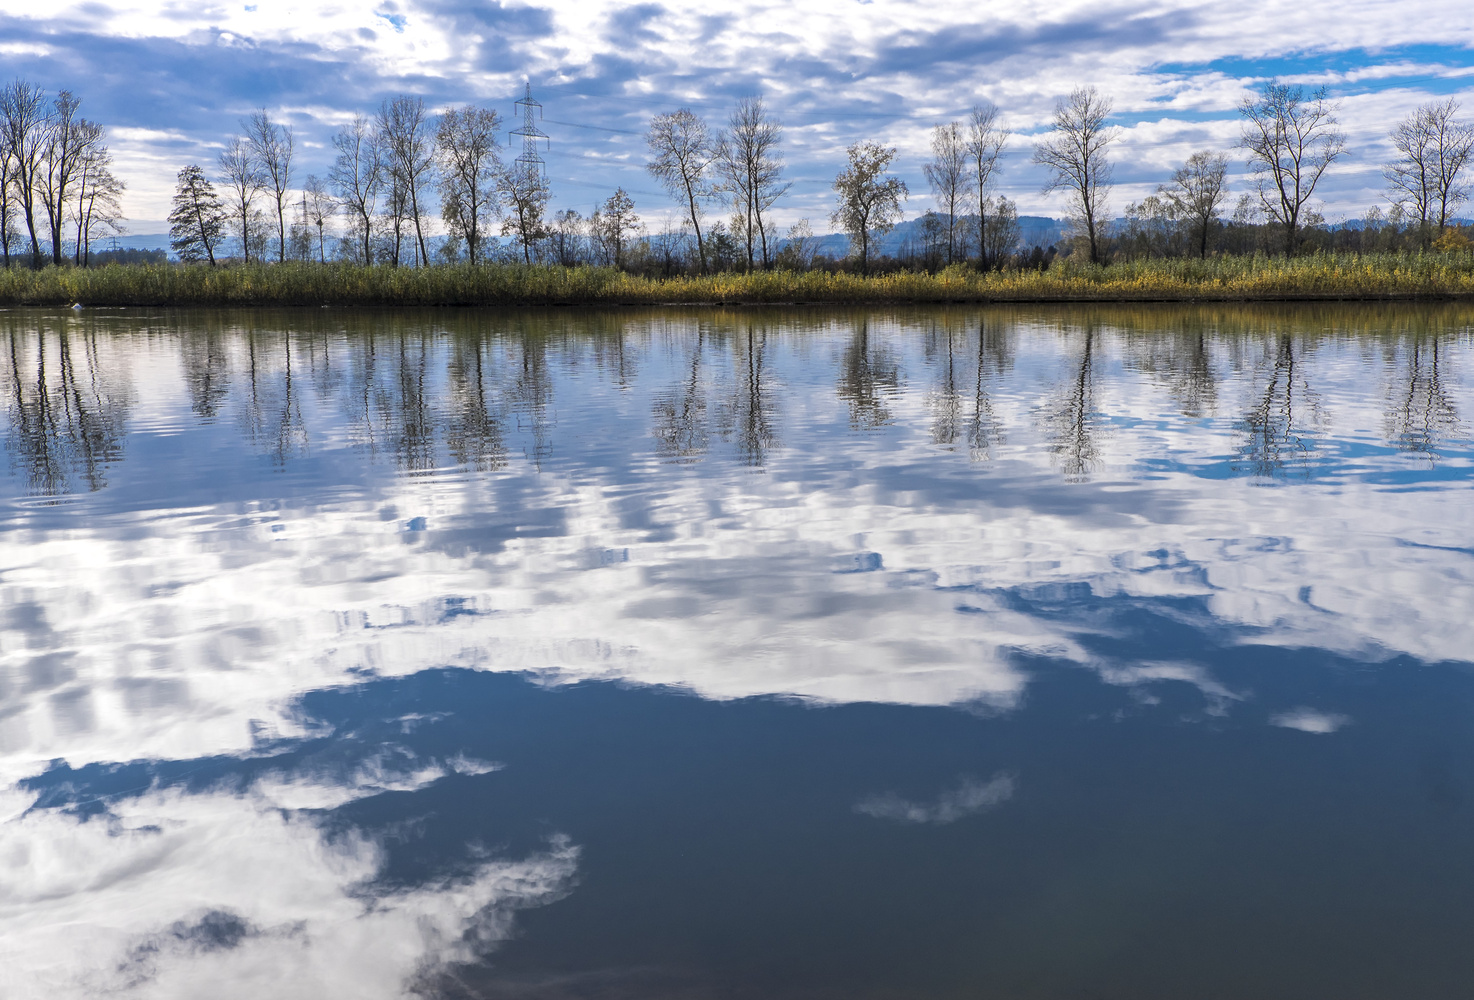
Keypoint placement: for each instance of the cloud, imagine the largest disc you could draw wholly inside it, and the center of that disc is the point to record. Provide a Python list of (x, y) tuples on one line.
[(834, 70), (970, 796), (1309, 720), (178, 895), (1216, 694)]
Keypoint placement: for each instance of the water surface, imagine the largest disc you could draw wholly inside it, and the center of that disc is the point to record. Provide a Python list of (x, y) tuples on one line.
[(1027, 653)]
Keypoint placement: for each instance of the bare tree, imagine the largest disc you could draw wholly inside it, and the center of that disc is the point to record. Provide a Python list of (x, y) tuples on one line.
[(69, 140), (242, 176), (405, 127), (613, 225), (394, 219), (318, 207), (985, 142), (357, 175), (98, 209), (26, 121), (799, 246), (947, 175), (197, 223), (753, 168), (1003, 234), (524, 192), (1077, 157), (1291, 139), (8, 204), (1433, 148), (470, 168), (869, 200), (1196, 193), (566, 237), (683, 152), (271, 147)]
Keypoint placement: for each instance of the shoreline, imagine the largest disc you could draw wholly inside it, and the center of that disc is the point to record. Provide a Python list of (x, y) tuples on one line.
[(1404, 278)]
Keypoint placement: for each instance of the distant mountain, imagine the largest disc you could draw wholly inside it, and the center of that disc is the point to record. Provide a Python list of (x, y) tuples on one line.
[(134, 241), (1034, 230), (1357, 225)]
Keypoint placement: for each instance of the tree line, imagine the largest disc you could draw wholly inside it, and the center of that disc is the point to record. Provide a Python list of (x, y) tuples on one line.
[(56, 183), (394, 170), (1289, 138)]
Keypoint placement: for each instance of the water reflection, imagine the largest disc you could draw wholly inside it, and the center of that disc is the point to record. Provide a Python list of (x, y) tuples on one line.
[(869, 373), (1182, 362), (1071, 416), (446, 388), (1421, 414), (752, 653), (475, 431), (1284, 415), (753, 410), (66, 414)]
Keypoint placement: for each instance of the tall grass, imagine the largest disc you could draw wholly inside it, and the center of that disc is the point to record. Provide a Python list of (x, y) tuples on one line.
[(1382, 276)]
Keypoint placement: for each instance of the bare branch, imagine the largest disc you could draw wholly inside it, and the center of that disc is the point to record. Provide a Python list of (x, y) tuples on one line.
[(1077, 157)]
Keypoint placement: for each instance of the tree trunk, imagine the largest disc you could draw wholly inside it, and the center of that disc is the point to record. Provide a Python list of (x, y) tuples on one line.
[(414, 202), (696, 224)]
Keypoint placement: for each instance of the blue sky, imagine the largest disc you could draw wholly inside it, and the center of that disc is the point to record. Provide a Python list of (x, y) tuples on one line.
[(171, 80)]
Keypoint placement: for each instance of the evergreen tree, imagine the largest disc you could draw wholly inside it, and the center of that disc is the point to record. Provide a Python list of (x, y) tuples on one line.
[(197, 224)]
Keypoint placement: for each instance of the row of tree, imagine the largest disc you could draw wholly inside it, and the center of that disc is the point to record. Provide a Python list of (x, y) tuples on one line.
[(386, 172), (1290, 138), (56, 185), (391, 168), (388, 168)]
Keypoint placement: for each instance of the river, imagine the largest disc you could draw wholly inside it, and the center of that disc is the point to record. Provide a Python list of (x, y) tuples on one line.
[(773, 653)]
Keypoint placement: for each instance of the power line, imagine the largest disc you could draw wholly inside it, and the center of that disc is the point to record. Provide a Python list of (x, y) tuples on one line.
[(597, 128)]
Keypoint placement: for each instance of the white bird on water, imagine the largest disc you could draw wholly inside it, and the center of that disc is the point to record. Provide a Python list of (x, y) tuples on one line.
[(77, 306)]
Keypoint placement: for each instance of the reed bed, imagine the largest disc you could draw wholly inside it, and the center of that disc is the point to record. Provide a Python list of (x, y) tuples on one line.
[(1320, 277)]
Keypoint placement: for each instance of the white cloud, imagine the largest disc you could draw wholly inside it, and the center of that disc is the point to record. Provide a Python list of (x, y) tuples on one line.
[(1308, 720), (1217, 695), (835, 70), (970, 796), (225, 894)]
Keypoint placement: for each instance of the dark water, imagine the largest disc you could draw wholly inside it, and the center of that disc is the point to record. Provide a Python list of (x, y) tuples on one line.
[(656, 654)]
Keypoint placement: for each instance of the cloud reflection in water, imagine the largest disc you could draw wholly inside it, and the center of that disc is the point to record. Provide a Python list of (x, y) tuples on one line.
[(927, 508)]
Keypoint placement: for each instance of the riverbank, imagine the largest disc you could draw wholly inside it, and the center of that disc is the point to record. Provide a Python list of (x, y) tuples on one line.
[(1221, 279)]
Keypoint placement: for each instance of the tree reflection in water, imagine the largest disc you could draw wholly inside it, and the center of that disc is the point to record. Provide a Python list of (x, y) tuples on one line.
[(531, 397), (994, 360), (207, 371), (470, 389), (1070, 417), (272, 411), (1180, 361), (868, 375), (750, 415), (475, 429), (1274, 437), (947, 351), (67, 411), (1420, 414), (414, 438), (680, 414)]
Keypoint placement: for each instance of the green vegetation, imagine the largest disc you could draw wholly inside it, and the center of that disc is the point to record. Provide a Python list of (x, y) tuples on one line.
[(1329, 276)]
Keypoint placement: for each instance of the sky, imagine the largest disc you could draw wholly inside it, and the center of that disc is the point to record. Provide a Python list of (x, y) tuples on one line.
[(172, 80)]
